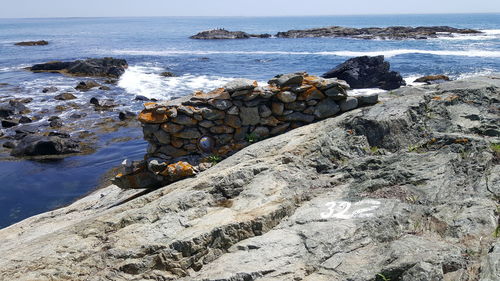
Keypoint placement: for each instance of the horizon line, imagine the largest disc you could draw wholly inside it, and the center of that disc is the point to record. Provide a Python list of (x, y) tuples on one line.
[(251, 16)]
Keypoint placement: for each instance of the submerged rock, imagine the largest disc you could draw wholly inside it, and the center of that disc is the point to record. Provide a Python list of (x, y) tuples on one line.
[(367, 72), (105, 67), (38, 145)]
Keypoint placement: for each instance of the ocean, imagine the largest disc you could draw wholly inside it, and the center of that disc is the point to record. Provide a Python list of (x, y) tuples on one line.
[(155, 45)]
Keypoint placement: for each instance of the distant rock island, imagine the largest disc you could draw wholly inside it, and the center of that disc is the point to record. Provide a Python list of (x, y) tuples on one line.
[(32, 43), (226, 34), (390, 33)]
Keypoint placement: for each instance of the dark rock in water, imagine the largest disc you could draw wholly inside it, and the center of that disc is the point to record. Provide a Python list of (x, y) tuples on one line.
[(50, 90), (124, 115), (105, 67), (9, 144), (25, 120), (433, 79), (6, 110), (141, 98), (65, 96), (37, 145), (102, 104), (77, 115), (367, 72), (56, 123), (391, 32), (226, 34), (9, 123), (87, 85), (22, 100), (32, 43), (167, 74), (104, 88)]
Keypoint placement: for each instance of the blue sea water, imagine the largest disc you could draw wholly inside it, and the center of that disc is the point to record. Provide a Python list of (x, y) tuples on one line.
[(154, 45)]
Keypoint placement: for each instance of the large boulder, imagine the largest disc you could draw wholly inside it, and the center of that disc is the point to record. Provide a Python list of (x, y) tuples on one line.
[(38, 145), (367, 72), (105, 67)]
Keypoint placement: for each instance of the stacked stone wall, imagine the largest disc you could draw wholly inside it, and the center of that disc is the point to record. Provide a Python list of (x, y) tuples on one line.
[(190, 134)]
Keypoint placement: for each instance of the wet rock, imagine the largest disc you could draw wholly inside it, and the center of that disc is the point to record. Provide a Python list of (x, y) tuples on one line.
[(367, 72), (56, 123), (37, 145), (32, 43), (51, 89), (104, 88), (9, 144), (432, 79), (87, 85), (65, 96), (102, 103), (126, 115), (6, 123), (25, 119), (105, 67), (141, 98), (167, 74)]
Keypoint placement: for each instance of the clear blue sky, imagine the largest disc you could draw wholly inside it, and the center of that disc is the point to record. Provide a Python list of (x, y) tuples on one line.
[(117, 8)]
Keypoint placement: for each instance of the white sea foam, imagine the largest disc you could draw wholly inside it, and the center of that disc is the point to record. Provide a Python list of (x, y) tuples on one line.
[(146, 81), (363, 92), (386, 53)]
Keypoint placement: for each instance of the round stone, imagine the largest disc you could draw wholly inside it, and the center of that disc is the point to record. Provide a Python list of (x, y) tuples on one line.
[(206, 144)]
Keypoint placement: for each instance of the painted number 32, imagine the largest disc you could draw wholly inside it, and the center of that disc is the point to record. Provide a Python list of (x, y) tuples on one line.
[(348, 210)]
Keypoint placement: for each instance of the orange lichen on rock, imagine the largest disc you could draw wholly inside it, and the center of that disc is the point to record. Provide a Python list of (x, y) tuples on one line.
[(311, 94), (463, 140), (310, 80), (451, 98), (150, 105), (179, 170), (437, 98), (153, 117)]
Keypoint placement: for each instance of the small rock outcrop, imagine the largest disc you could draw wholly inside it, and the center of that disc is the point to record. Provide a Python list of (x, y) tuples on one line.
[(32, 43), (367, 72), (226, 34), (105, 67), (392, 32), (433, 79)]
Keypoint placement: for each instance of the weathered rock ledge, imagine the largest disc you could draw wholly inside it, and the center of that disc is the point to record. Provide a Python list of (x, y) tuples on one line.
[(407, 189)]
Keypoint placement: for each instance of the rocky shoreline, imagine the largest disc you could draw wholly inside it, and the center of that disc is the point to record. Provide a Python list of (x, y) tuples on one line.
[(387, 33), (407, 189)]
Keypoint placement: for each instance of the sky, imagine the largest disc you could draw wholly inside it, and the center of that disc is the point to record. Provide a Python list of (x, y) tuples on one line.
[(124, 8)]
